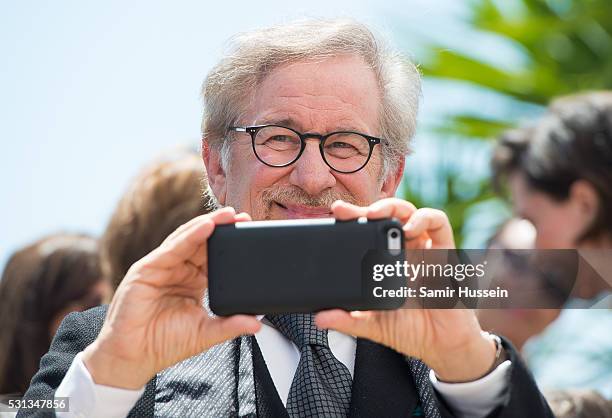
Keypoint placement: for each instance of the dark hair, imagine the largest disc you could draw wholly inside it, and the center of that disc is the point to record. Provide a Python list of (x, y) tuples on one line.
[(165, 195), (572, 141), (39, 282)]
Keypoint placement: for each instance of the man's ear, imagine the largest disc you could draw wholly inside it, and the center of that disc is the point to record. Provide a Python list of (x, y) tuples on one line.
[(214, 170), (585, 200), (392, 181)]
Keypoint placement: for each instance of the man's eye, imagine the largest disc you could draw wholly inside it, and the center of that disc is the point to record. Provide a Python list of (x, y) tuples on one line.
[(342, 149), (281, 142), (281, 138), (341, 145)]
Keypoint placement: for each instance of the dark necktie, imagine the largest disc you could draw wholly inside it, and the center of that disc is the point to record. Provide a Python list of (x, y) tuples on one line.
[(321, 386)]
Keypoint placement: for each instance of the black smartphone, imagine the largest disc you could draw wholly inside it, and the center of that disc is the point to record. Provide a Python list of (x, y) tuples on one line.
[(265, 267)]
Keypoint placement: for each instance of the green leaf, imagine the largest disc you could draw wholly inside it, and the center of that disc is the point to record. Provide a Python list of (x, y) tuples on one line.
[(566, 46), (471, 126)]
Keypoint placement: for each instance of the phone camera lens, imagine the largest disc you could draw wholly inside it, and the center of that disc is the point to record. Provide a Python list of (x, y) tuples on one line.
[(394, 234)]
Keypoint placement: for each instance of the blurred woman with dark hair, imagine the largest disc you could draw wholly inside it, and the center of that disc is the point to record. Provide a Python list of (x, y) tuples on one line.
[(559, 172), (41, 284)]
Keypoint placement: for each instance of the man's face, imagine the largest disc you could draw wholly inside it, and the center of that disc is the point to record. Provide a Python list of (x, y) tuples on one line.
[(335, 94)]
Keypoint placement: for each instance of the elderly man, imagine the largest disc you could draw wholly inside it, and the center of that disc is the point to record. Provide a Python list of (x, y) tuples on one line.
[(310, 119)]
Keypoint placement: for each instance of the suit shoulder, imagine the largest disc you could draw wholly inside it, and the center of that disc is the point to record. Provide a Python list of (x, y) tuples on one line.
[(82, 326), (94, 317)]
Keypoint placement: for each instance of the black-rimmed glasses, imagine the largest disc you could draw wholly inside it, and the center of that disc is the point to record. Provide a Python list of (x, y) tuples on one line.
[(278, 146)]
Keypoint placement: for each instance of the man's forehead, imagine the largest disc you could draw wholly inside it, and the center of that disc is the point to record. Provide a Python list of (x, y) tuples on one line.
[(337, 75), (337, 93)]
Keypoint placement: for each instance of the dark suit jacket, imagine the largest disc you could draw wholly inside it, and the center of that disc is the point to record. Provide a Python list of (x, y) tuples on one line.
[(382, 385)]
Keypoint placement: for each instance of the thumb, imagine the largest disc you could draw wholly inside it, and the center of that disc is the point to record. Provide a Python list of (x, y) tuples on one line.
[(217, 330), (356, 323)]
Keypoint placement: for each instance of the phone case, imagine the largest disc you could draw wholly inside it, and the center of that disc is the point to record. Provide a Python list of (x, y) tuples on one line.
[(267, 267)]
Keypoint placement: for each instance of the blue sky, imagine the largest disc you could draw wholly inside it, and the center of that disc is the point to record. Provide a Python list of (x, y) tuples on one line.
[(91, 91)]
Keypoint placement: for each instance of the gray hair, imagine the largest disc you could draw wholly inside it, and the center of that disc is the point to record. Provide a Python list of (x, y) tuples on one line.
[(231, 84)]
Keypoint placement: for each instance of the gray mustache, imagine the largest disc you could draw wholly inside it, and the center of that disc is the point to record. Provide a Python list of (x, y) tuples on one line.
[(295, 195)]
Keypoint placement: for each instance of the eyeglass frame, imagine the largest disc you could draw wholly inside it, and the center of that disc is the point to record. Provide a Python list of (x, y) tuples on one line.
[(253, 130)]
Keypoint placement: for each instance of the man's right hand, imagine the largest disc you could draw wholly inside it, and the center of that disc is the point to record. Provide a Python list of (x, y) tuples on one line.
[(156, 317)]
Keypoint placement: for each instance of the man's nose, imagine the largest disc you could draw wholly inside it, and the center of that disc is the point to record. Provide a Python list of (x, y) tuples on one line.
[(310, 173)]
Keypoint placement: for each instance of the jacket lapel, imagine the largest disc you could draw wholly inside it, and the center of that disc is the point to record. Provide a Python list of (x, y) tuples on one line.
[(382, 383), (269, 404)]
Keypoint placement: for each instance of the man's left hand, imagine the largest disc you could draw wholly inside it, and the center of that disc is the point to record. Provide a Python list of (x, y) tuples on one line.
[(448, 340)]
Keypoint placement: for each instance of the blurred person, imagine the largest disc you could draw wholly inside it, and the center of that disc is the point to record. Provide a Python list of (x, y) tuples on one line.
[(520, 324), (559, 172), (308, 119), (42, 283), (514, 234), (164, 195), (579, 404)]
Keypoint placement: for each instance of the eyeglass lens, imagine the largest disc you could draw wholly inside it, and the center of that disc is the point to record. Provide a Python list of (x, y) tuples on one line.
[(343, 151)]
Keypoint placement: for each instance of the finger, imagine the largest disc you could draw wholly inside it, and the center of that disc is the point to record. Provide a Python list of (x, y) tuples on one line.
[(419, 243), (184, 279), (242, 217), (216, 330), (198, 219), (354, 323), (344, 211), (184, 245), (391, 208), (172, 253), (433, 223), (200, 257)]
